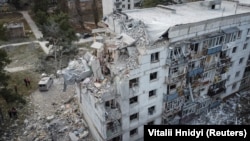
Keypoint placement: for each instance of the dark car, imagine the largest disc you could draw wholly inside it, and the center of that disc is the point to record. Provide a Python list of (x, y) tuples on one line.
[(86, 35)]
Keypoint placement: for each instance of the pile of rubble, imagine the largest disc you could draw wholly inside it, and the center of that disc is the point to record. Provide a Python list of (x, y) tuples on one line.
[(233, 111), (67, 123), (55, 117)]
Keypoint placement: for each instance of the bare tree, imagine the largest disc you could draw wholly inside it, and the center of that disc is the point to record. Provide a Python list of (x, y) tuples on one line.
[(60, 35), (95, 12), (79, 13)]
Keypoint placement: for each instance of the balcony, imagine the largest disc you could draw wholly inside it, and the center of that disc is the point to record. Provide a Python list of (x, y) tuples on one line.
[(197, 55), (214, 50), (112, 114), (225, 60), (217, 88), (210, 66), (195, 71), (176, 62), (177, 74), (114, 129), (216, 91), (170, 97)]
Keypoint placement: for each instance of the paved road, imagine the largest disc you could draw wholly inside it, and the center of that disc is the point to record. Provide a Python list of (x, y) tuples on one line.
[(18, 44), (38, 34), (16, 69)]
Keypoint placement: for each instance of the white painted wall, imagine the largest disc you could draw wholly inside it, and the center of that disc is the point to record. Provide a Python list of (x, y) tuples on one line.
[(107, 7)]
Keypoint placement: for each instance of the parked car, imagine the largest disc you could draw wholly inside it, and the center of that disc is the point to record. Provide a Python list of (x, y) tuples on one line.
[(86, 35), (45, 83)]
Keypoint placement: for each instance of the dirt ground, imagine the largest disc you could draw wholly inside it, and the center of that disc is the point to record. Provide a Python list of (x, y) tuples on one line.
[(47, 116), (25, 55)]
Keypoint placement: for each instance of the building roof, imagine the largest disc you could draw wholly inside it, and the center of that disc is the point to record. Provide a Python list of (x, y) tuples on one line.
[(159, 19), (244, 2), (14, 25)]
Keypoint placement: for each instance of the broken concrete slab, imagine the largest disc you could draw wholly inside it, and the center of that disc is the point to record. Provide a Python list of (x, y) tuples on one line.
[(73, 137), (49, 118)]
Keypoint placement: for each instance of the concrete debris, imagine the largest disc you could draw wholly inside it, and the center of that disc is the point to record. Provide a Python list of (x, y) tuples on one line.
[(61, 121), (77, 70), (50, 117), (73, 137), (229, 112), (84, 134)]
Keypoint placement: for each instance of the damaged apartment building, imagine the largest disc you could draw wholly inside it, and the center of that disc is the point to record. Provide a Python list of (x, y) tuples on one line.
[(161, 65)]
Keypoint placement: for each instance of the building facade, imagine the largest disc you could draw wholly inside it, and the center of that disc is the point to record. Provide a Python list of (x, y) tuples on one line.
[(112, 5), (164, 65), (15, 30)]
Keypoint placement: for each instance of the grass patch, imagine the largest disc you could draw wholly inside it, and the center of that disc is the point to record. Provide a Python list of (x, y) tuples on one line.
[(24, 55), (16, 17), (17, 78)]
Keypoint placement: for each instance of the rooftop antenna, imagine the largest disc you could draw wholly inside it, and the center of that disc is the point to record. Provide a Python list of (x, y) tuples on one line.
[(237, 3), (222, 12)]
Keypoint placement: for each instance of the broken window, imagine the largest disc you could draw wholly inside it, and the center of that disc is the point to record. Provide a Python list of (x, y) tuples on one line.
[(192, 65), (174, 70), (133, 100), (133, 132), (245, 46), (194, 47), (153, 76), (110, 104), (234, 49), (205, 75), (133, 117), (205, 43), (151, 123), (151, 110), (133, 82), (171, 87), (241, 60), (152, 93), (232, 36), (177, 51), (237, 73), (213, 6), (154, 57), (239, 34), (234, 86)]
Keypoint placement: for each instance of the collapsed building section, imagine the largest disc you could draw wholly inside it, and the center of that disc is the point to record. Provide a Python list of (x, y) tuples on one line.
[(162, 65)]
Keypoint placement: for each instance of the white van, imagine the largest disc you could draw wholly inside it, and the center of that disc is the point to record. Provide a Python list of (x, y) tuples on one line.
[(45, 83)]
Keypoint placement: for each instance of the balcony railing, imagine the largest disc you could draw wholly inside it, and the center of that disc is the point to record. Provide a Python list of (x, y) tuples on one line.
[(112, 114), (212, 92), (225, 60), (175, 62), (114, 131), (195, 71), (214, 50), (210, 66)]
